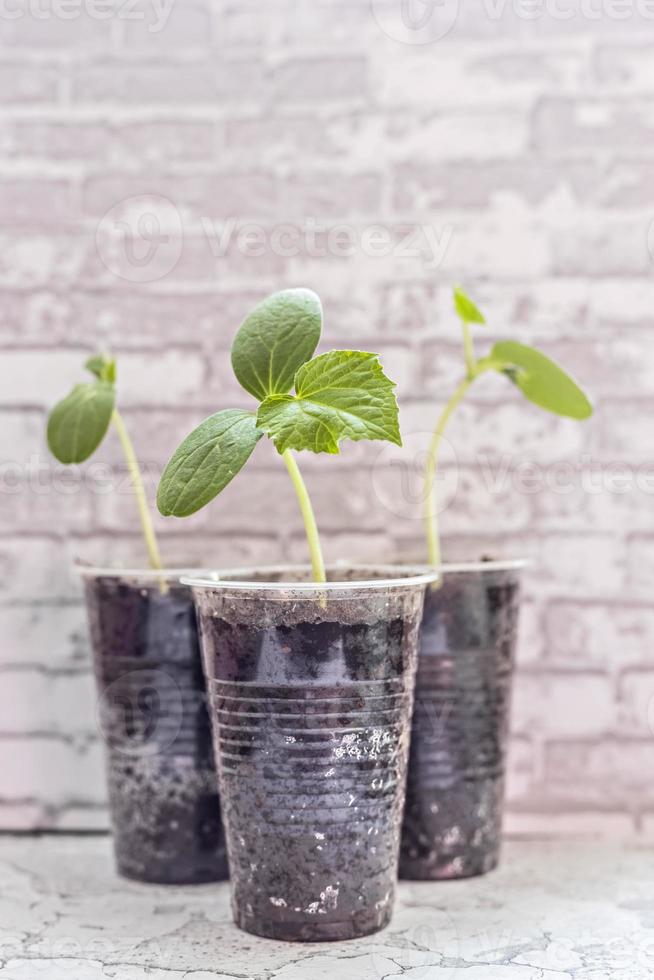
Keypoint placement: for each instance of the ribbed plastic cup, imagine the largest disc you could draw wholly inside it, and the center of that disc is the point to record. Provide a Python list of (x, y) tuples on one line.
[(455, 788), (152, 712), (311, 690)]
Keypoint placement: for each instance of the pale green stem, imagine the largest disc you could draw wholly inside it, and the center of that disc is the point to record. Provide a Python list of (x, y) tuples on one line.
[(310, 526), (139, 489), (469, 349), (431, 506)]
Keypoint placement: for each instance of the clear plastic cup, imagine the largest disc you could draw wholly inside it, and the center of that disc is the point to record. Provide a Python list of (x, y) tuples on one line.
[(455, 788), (152, 713), (311, 693)]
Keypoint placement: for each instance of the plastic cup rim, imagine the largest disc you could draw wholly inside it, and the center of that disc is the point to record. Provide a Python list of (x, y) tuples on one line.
[(501, 565), (416, 575), (147, 573)]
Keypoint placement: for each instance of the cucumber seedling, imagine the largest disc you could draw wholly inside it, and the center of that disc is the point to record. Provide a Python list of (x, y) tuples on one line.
[(78, 424), (343, 394), (540, 380)]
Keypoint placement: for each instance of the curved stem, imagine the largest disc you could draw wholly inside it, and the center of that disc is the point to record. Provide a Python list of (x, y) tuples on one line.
[(310, 526), (431, 507), (469, 349), (475, 369), (141, 499)]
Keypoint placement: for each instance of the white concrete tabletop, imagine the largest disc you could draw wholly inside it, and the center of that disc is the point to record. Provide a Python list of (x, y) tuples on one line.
[(554, 911)]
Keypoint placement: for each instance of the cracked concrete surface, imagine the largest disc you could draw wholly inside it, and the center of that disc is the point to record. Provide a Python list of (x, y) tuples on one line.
[(554, 911)]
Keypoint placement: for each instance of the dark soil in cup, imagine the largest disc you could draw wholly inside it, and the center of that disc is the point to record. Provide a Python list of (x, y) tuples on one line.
[(455, 790), (311, 721), (153, 715)]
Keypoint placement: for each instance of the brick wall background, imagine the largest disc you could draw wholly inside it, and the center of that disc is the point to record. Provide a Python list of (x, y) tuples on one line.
[(516, 153)]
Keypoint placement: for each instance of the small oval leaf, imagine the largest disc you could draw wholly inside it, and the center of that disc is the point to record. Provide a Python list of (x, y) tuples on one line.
[(78, 424), (541, 380), (278, 337), (468, 311), (207, 460)]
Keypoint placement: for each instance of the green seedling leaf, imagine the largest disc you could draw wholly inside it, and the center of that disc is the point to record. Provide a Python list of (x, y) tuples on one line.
[(102, 367), (79, 423), (340, 395), (343, 394), (541, 380), (467, 310), (207, 460), (279, 336)]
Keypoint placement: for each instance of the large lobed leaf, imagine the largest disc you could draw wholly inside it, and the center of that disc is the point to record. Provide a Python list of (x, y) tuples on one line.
[(78, 424), (207, 460), (541, 380), (280, 334), (339, 395)]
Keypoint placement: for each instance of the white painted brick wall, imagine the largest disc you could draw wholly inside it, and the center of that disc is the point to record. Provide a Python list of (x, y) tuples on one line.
[(524, 146)]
